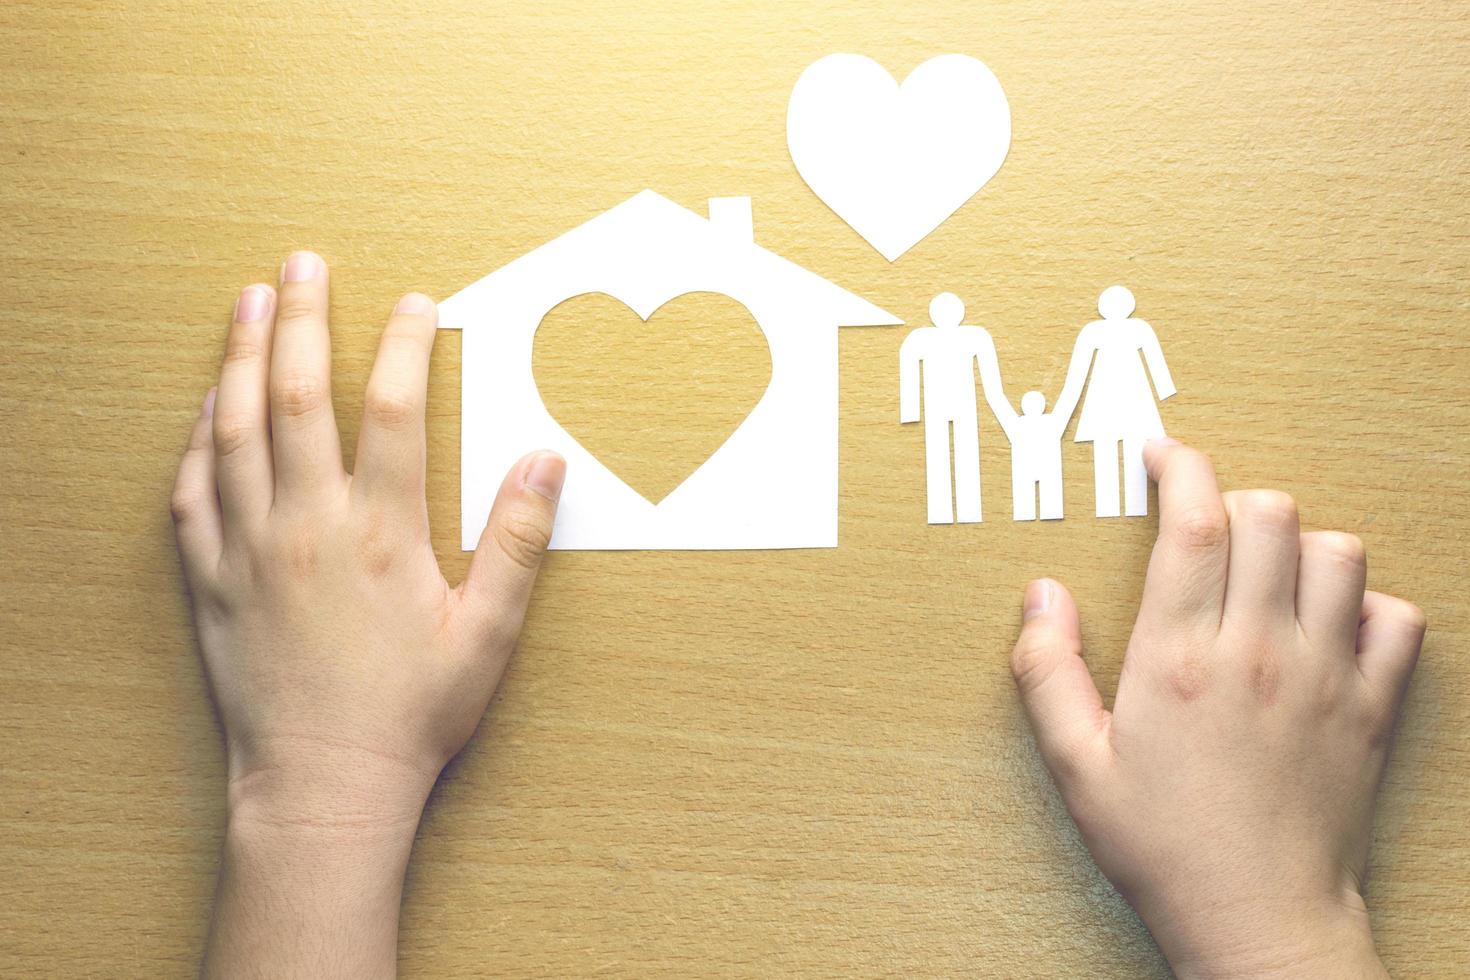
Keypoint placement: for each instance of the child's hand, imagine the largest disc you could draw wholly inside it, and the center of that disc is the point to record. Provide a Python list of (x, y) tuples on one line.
[(1229, 793), (346, 670)]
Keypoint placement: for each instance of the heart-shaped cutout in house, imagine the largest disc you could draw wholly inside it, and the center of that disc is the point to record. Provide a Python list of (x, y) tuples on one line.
[(651, 399)]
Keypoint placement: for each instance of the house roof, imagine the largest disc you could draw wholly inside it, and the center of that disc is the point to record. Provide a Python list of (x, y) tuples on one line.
[(649, 228)]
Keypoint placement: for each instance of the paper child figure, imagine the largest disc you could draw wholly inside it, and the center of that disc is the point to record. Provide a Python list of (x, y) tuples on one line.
[(1119, 407), (1036, 454), (947, 352)]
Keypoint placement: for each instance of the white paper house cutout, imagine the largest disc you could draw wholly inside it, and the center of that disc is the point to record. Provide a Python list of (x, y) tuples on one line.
[(772, 484)]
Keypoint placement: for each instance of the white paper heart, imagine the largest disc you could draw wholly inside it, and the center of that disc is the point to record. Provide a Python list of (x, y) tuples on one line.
[(894, 161)]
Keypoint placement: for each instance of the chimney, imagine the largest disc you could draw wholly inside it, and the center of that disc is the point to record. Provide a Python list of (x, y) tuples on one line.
[(731, 216)]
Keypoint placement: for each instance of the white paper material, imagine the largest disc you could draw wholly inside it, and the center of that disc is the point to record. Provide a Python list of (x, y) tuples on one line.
[(1119, 411), (1036, 454), (895, 161), (1119, 407), (772, 484), (941, 360)]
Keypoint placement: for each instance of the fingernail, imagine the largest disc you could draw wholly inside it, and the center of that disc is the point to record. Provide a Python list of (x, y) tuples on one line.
[(545, 474), (301, 266), (252, 304), (1037, 599), (207, 410), (415, 303)]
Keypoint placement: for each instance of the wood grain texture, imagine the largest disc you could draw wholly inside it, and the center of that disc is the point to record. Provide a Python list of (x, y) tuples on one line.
[(759, 764)]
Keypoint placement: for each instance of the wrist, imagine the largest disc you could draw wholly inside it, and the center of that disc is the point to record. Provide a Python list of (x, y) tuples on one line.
[(318, 854), (1300, 942), (327, 789)]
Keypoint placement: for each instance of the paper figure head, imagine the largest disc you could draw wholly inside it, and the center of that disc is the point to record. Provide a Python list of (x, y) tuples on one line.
[(1033, 403), (946, 310), (1116, 303)]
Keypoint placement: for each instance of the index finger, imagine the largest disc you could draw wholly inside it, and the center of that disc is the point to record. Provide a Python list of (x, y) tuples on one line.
[(390, 447), (1187, 572)]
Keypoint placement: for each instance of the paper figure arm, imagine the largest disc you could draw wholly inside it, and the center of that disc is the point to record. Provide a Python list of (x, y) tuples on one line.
[(990, 382), (908, 379), (1077, 370), (1006, 416), (1153, 356), (1057, 425)]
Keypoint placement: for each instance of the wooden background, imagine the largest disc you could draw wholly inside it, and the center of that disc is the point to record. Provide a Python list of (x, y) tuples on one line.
[(799, 763)]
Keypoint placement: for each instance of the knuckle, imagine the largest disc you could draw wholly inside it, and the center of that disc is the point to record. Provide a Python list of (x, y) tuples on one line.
[(378, 546), (1188, 679), (199, 437), (243, 345), (1201, 528), (1263, 673), (1342, 548), (1181, 455), (1376, 718), (302, 552), (410, 330), (243, 352), (1410, 617), (294, 308), (1326, 694), (390, 407), (1181, 459), (298, 395), (183, 505), (523, 538), (232, 435), (1269, 508), (1033, 660)]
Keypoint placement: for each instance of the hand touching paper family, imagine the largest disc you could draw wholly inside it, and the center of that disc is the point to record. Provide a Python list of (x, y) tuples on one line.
[(347, 672), (1120, 411), (852, 129)]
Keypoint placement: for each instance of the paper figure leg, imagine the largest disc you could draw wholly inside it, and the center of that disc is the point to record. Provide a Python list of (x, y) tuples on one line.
[(1023, 496), (1051, 492), (967, 469), (936, 464), (1105, 477), (1135, 479)]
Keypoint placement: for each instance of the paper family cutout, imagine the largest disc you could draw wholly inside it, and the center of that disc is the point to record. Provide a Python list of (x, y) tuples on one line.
[(771, 484), (894, 161), (1119, 411)]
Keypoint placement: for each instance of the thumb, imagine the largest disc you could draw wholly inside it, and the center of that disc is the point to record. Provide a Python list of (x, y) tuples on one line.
[(1056, 689), (497, 588)]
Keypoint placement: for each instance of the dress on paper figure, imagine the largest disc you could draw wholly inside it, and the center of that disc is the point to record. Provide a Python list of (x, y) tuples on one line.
[(1119, 406), (946, 353)]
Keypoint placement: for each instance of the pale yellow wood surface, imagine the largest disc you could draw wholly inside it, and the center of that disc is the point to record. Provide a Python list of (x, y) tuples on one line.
[(763, 764)]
